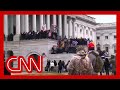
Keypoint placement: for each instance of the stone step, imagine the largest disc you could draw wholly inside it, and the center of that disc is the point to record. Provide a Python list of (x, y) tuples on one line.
[(31, 42)]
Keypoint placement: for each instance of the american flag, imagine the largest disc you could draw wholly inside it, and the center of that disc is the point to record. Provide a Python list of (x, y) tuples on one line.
[(44, 27)]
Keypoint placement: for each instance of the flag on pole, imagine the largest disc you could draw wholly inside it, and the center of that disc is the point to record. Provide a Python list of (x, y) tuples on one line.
[(44, 27)]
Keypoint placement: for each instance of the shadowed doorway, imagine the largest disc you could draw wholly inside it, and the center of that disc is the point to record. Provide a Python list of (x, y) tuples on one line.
[(35, 57), (9, 53)]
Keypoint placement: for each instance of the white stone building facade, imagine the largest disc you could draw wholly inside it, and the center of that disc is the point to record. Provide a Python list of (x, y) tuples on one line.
[(71, 26), (106, 37)]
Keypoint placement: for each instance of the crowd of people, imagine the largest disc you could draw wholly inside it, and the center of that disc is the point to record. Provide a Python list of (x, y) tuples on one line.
[(88, 63), (109, 65), (53, 66), (92, 63), (68, 45), (42, 34), (38, 35)]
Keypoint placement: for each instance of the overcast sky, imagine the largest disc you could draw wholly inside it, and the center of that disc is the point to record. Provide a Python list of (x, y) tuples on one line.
[(104, 18)]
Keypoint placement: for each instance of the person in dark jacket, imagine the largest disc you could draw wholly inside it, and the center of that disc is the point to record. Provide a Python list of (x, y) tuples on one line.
[(107, 66), (6, 72), (59, 66), (48, 66), (113, 63), (55, 63), (66, 66), (63, 64)]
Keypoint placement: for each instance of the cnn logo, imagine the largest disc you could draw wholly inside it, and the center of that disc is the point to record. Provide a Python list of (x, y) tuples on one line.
[(27, 64)]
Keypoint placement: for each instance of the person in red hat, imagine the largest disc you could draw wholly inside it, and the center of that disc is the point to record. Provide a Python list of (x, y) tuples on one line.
[(95, 58), (91, 46)]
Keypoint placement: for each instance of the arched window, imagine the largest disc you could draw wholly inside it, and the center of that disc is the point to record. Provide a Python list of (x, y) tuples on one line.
[(80, 30), (86, 31), (75, 29), (35, 57), (91, 33), (114, 47), (114, 36)]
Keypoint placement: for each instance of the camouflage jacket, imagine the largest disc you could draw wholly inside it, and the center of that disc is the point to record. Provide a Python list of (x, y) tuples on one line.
[(78, 66)]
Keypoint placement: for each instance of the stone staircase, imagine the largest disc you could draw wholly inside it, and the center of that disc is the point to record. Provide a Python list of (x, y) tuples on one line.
[(23, 47)]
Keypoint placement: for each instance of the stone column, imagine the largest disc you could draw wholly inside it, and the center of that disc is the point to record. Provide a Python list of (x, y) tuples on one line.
[(34, 22), (84, 31), (60, 25), (26, 23), (54, 19), (94, 38), (22, 23), (89, 30), (65, 26), (101, 40), (17, 36), (48, 22), (77, 30), (70, 27), (6, 34), (6, 25), (111, 42), (11, 24), (41, 22), (73, 28)]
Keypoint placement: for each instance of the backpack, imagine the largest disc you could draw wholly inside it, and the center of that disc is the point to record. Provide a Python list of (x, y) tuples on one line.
[(98, 63)]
